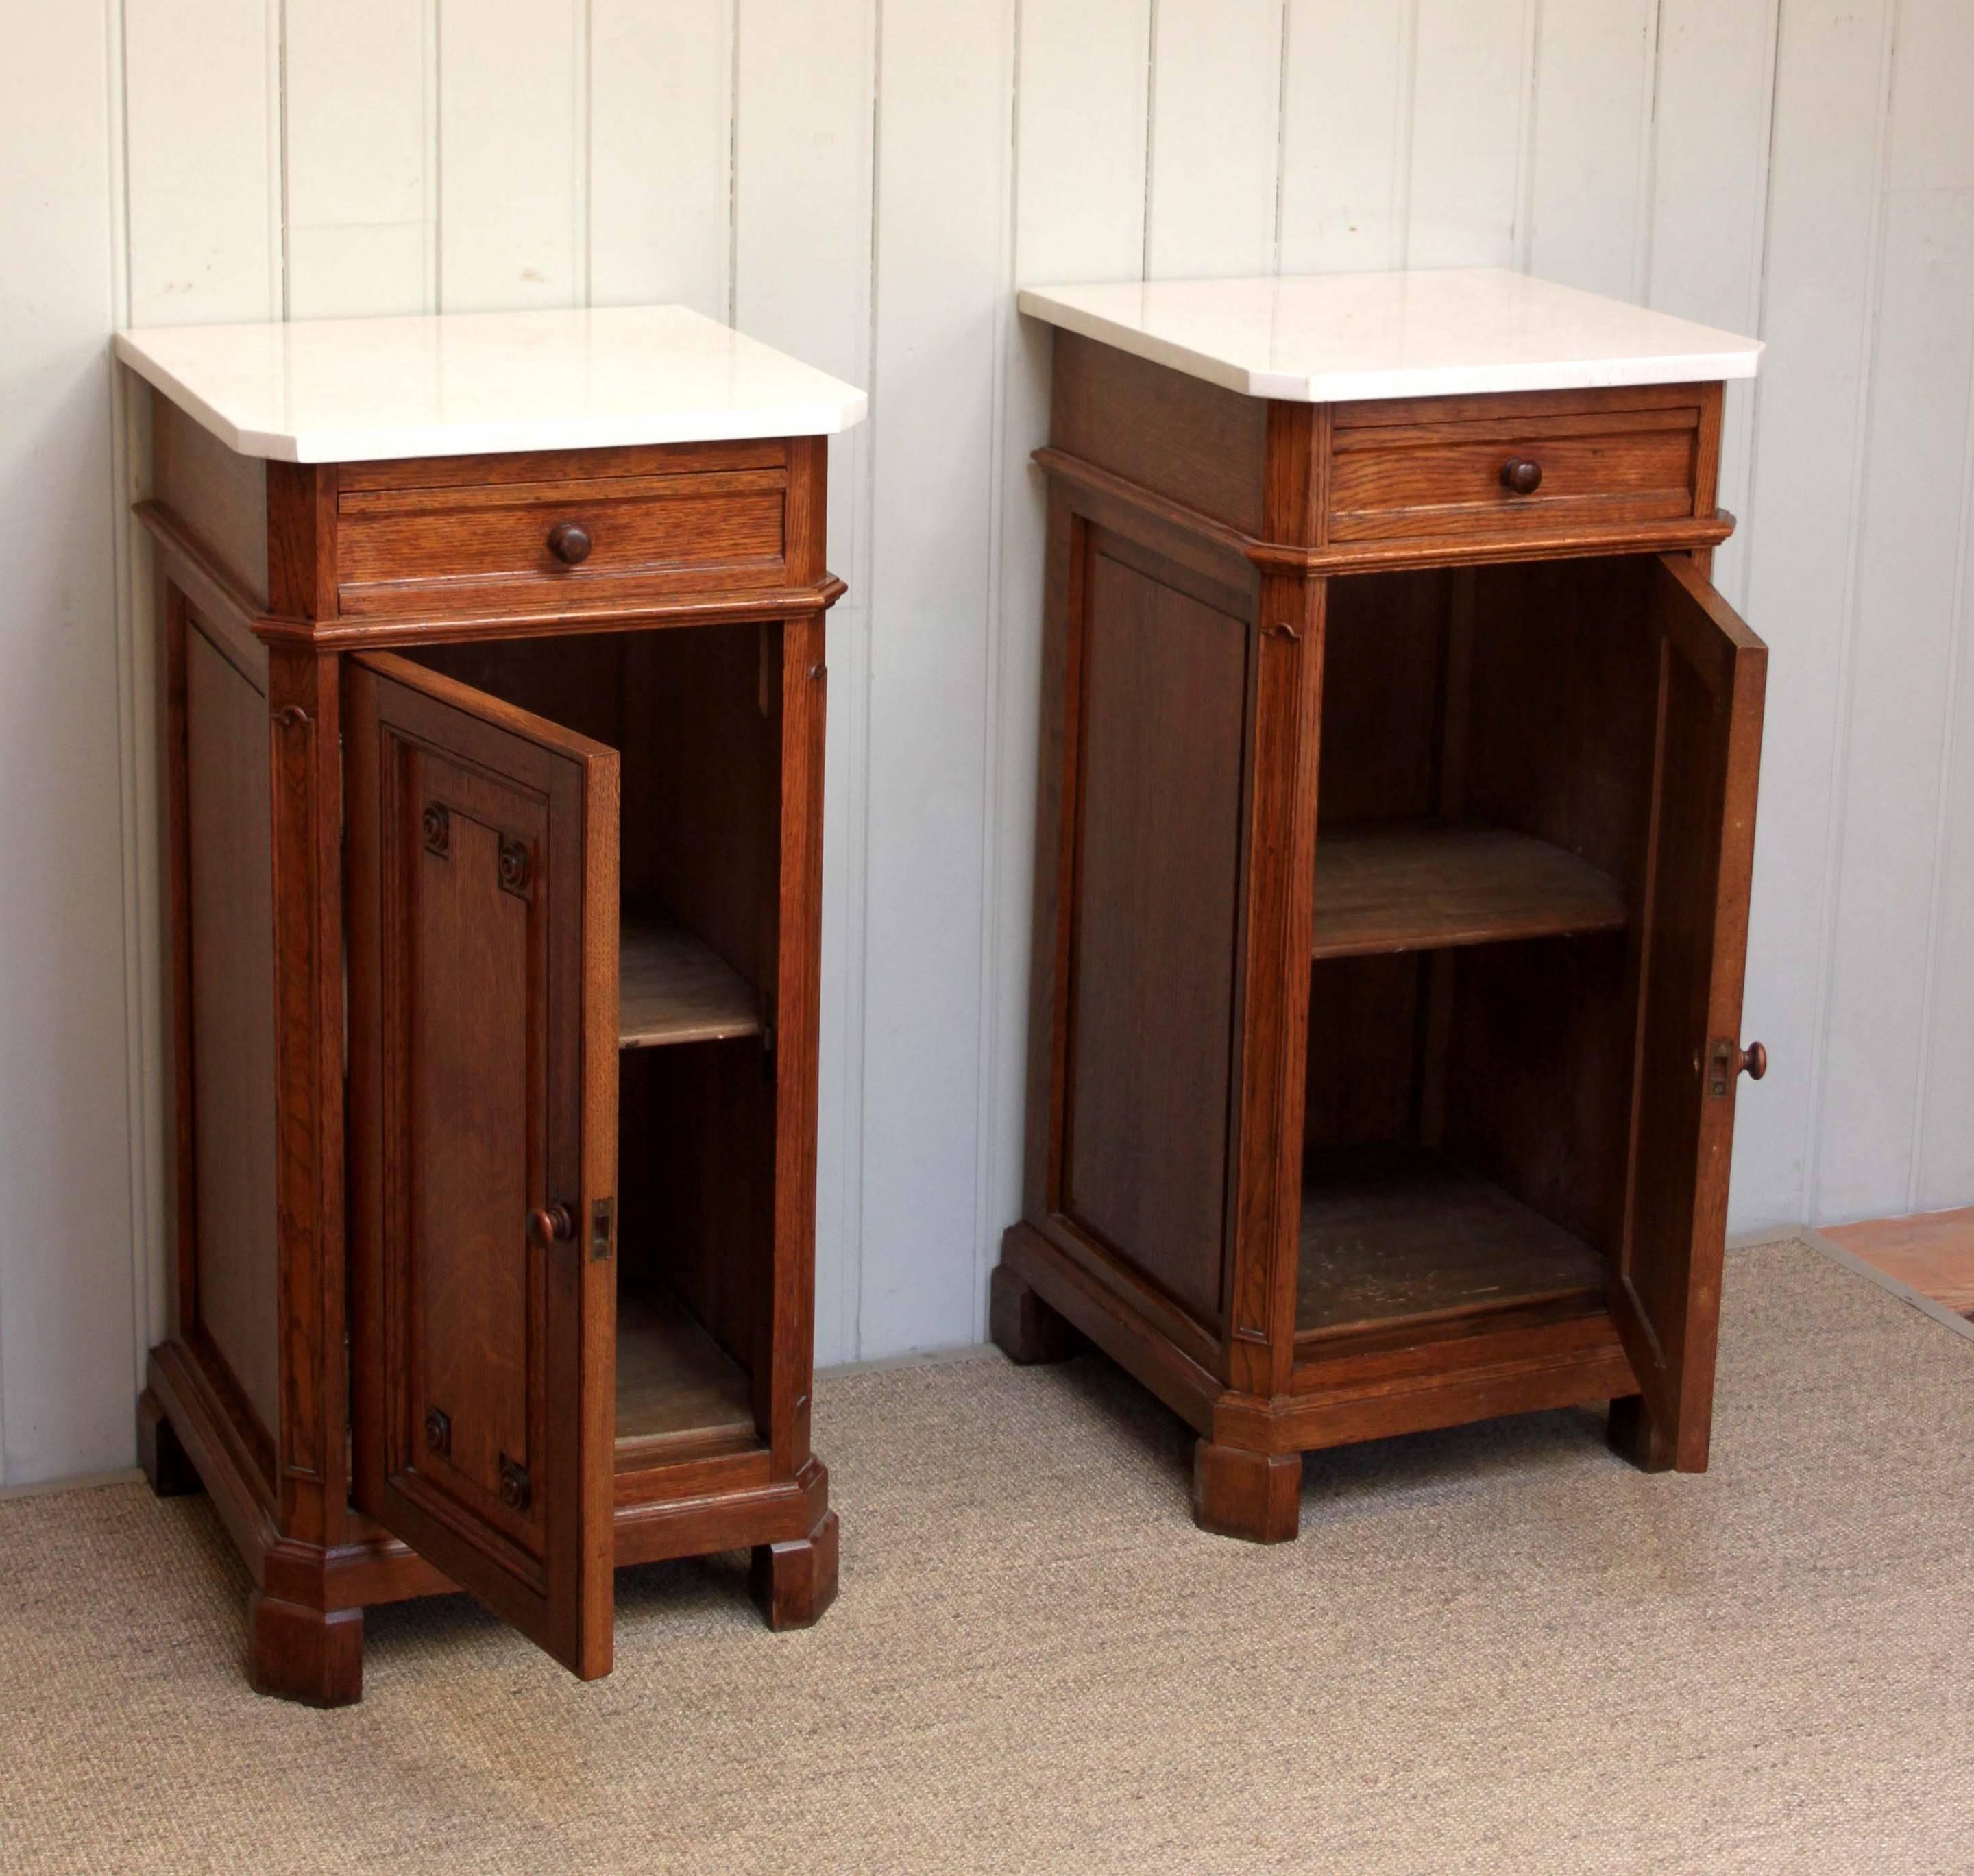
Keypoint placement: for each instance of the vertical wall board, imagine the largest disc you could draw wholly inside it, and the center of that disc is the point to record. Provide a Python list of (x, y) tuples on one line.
[(942, 262), (1595, 67), (1931, 174), (1215, 135), (1080, 107), (67, 1330), (1470, 100), (661, 148), (359, 127), (806, 76), (511, 177), (203, 160), (801, 208), (1708, 205), (1346, 133), (1708, 219), (1818, 307), (1944, 1174), (1909, 571)]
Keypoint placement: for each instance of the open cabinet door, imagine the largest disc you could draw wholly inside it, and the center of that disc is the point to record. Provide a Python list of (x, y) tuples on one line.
[(1693, 943), (480, 846)]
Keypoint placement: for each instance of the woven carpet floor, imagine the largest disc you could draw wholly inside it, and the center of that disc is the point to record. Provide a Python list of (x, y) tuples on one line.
[(1494, 1649)]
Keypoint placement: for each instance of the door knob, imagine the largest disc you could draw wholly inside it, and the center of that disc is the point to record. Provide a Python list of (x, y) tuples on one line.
[(568, 543), (1521, 474), (1725, 1059), (552, 1224)]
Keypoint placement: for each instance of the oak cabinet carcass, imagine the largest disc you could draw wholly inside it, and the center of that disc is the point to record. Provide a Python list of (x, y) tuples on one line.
[(494, 780), (1398, 781)]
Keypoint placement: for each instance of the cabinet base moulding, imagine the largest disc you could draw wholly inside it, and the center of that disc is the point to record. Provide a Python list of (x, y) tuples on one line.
[(305, 1632), (1250, 1448)]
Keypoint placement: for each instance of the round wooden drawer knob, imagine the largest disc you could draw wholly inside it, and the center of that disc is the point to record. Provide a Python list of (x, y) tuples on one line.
[(1521, 475), (1754, 1061), (569, 543), (553, 1225)]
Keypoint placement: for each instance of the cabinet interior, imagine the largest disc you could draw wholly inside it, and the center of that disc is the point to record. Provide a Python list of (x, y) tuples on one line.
[(1487, 773), (693, 712)]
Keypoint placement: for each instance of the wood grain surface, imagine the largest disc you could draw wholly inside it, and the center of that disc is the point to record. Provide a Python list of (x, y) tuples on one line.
[(1420, 886)]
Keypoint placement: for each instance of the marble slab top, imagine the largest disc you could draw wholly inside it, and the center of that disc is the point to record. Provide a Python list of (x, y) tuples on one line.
[(1338, 338), (462, 384)]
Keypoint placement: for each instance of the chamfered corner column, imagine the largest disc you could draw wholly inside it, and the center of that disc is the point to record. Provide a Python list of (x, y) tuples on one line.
[(1250, 1495), (304, 698), (310, 1655)]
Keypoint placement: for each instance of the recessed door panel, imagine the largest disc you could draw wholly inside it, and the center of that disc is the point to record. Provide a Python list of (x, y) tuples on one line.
[(482, 849)]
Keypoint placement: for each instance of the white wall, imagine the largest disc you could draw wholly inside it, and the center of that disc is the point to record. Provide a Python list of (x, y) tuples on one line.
[(863, 181)]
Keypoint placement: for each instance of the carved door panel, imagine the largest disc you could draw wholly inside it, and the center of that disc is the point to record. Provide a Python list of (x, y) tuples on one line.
[(481, 851)]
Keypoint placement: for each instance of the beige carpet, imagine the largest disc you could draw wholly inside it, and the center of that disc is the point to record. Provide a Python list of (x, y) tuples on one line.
[(1494, 1649)]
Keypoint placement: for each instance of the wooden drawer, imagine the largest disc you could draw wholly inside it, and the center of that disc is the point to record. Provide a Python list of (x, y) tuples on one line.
[(553, 533), (1469, 469)]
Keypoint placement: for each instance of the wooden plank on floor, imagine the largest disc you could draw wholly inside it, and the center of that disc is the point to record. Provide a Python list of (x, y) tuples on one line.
[(1932, 1251)]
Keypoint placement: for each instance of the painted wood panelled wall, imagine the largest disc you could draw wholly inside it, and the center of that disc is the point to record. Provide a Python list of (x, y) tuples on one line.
[(863, 181)]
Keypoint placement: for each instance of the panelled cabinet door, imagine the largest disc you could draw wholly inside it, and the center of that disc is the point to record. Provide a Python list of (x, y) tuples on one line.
[(480, 848), (1712, 670)]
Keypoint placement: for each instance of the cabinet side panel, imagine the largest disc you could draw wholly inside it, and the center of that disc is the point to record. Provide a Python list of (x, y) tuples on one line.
[(1179, 436), (230, 891), (1153, 937), (219, 497)]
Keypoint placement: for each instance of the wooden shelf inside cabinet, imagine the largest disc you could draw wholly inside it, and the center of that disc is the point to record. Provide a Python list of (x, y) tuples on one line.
[(677, 1388), (1397, 1232), (674, 989), (1384, 887)]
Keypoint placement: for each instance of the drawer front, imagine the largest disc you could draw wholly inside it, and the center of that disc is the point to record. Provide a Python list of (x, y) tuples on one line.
[(1464, 479), (548, 543)]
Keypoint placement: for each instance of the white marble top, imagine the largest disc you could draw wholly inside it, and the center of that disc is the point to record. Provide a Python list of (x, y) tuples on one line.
[(1335, 338), (463, 384)]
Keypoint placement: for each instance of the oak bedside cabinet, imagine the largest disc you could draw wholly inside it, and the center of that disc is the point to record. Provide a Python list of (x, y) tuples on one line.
[(493, 695), (1397, 808)]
